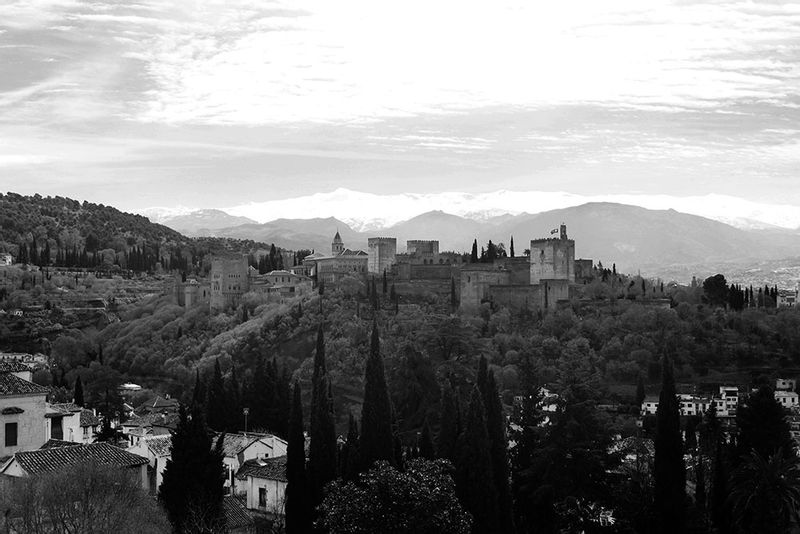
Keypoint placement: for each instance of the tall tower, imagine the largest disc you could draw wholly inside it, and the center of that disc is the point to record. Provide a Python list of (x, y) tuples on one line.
[(553, 258), (337, 247), (382, 254)]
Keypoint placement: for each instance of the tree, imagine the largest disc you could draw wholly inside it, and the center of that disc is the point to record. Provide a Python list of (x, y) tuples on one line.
[(496, 427), (84, 497), (715, 290), (449, 426), (765, 493), (193, 484), (640, 392), (350, 457), (108, 433), (373, 295), (376, 415), (78, 392), (669, 469), (474, 475), (298, 508), (420, 499), (473, 258), (322, 453), (216, 404), (762, 426), (426, 449), (511, 247)]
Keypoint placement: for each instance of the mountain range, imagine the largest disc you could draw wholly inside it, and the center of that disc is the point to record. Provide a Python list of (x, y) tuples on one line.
[(635, 238)]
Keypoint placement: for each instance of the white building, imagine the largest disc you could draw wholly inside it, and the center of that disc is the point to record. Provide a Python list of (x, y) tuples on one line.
[(157, 450), (6, 258), (787, 399), (264, 481), (239, 448), (22, 410)]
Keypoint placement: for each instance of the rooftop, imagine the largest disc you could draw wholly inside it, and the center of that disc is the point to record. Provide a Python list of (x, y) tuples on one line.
[(13, 366), (236, 515), (267, 468), (13, 385), (160, 445), (233, 444), (57, 457)]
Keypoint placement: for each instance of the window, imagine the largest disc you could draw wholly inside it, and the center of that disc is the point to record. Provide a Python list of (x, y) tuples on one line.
[(11, 434), (57, 428), (262, 497)]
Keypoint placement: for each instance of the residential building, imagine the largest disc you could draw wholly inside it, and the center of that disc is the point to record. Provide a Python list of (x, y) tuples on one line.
[(787, 399), (22, 410), (264, 480), (238, 448), (237, 518), (157, 450), (6, 259), (785, 384), (57, 455)]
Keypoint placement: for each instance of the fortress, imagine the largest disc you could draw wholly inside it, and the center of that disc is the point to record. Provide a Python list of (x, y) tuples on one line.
[(538, 281)]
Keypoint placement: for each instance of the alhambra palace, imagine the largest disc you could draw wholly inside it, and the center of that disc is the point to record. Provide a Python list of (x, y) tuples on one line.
[(535, 282)]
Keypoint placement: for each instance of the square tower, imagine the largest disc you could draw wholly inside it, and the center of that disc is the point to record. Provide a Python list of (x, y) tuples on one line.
[(382, 254), (553, 258)]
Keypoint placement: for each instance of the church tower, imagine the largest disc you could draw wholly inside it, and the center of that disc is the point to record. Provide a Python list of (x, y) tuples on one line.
[(337, 247)]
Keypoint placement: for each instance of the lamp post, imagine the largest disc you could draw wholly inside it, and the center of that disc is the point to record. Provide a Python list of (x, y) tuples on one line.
[(246, 412)]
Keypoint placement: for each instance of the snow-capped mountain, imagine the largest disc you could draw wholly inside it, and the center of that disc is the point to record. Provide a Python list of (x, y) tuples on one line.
[(365, 212)]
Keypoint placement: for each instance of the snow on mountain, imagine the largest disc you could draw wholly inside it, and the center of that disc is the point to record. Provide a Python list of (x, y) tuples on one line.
[(368, 211), (365, 212)]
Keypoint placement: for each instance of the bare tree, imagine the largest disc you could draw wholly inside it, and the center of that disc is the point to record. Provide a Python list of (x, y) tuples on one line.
[(83, 498)]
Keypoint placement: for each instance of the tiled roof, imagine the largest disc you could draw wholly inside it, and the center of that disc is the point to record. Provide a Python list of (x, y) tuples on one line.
[(267, 468), (51, 443), (152, 419), (14, 385), (62, 409), (13, 366), (236, 515), (54, 458), (158, 403), (233, 444), (88, 418), (160, 445)]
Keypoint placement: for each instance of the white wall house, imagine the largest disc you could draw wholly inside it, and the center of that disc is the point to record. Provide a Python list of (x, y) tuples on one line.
[(240, 447), (22, 410), (264, 481)]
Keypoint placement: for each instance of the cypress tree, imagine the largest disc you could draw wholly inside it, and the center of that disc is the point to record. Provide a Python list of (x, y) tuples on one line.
[(473, 258), (193, 485), (669, 469), (496, 428), (198, 393), (511, 248), (474, 475), (350, 457), (719, 493), (450, 425), (640, 392), (373, 295), (216, 401), (298, 511), (426, 442), (78, 392), (700, 484), (376, 414), (482, 380), (322, 454)]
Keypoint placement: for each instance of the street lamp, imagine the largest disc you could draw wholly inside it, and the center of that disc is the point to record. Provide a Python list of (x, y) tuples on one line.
[(246, 412)]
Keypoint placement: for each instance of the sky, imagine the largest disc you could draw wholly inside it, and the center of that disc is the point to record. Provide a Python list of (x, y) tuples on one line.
[(221, 103)]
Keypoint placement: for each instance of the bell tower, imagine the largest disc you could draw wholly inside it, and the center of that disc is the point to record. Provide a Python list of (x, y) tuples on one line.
[(337, 247)]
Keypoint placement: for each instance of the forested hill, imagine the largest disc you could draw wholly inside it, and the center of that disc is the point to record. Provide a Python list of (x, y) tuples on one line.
[(70, 222), (72, 233)]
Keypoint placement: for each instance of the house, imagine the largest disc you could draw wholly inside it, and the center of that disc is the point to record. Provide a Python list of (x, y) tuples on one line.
[(22, 410), (64, 422), (58, 454), (6, 259), (264, 480), (157, 450), (237, 448), (787, 399), (785, 384), (151, 424)]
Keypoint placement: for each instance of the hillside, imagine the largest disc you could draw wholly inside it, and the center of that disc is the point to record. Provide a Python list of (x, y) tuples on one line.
[(71, 222)]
